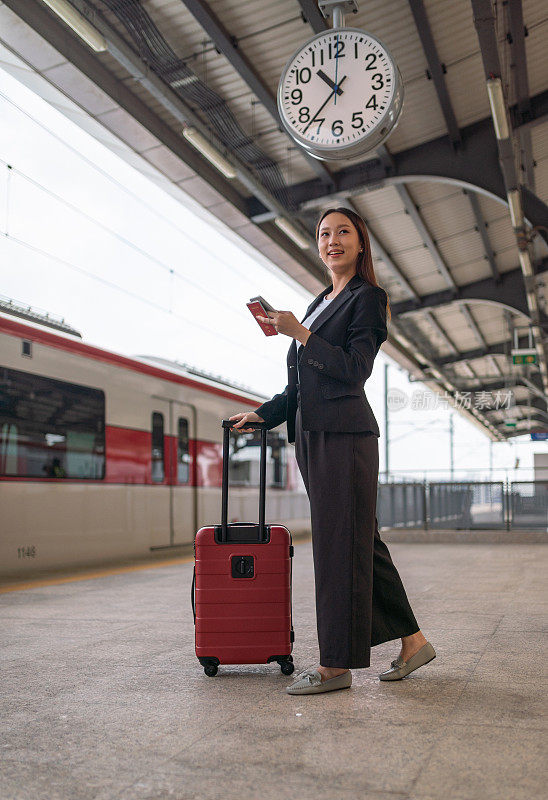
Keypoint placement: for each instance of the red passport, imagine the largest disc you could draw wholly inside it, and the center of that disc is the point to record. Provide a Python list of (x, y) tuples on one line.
[(260, 308)]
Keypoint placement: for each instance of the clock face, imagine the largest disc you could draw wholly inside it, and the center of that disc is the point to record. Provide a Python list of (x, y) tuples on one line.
[(341, 94)]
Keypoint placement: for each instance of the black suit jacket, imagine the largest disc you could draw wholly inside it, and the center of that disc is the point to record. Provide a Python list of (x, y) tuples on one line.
[(334, 364)]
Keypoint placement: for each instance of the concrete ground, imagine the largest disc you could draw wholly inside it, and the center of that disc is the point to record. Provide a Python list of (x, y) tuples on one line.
[(103, 698)]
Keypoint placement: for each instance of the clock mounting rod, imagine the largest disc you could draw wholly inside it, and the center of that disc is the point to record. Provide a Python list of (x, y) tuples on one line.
[(337, 10)]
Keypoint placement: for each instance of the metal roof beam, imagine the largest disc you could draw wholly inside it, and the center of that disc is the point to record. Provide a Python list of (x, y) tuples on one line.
[(440, 331), (475, 166), (383, 254), (40, 19), (228, 45), (436, 69), (472, 324), (532, 403), (536, 390), (485, 24), (519, 430), (484, 21), (481, 227), (508, 292), (499, 349), (538, 114), (519, 60), (413, 211), (46, 25), (313, 15), (495, 384), (521, 87), (428, 241)]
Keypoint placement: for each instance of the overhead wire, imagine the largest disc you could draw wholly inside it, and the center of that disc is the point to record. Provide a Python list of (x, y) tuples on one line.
[(143, 203), (133, 295), (183, 278), (126, 190)]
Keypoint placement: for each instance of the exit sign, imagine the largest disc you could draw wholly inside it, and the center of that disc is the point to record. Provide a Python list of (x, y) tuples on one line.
[(524, 356)]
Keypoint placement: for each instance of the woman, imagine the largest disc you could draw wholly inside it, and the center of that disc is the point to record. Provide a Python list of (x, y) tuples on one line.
[(360, 599)]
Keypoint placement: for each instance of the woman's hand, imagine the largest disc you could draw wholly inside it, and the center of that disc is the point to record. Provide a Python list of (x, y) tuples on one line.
[(246, 416), (287, 323)]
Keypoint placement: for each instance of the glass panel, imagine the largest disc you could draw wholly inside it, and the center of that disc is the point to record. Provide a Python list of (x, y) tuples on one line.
[(245, 454), (50, 428), (157, 456), (183, 455)]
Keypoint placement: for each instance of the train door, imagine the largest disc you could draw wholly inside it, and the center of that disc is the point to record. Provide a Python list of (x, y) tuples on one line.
[(184, 493), (173, 466)]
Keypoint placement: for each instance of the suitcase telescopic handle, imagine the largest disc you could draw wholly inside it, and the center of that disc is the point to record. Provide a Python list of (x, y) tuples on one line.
[(263, 427)]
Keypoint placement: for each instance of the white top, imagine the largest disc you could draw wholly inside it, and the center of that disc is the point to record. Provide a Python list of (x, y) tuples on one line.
[(309, 319)]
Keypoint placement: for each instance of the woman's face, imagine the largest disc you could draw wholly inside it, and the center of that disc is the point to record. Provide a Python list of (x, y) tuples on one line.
[(338, 243)]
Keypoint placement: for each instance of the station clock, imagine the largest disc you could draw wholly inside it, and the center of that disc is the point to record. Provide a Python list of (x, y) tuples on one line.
[(341, 94)]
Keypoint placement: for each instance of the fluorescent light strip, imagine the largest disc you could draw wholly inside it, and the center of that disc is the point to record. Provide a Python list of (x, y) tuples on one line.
[(292, 232), (78, 24), (514, 204), (201, 144), (498, 108), (525, 261), (533, 305)]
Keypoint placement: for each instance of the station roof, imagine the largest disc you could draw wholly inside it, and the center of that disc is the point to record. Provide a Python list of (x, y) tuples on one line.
[(435, 196)]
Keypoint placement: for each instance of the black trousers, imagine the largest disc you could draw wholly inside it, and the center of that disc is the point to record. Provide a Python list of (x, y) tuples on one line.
[(360, 599)]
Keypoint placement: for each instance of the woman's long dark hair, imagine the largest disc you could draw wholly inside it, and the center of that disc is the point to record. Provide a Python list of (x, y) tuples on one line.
[(364, 263)]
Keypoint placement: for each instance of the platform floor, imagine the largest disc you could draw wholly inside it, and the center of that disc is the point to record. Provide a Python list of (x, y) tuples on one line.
[(103, 698)]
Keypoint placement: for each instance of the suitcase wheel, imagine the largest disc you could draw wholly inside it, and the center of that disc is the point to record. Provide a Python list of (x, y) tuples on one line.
[(211, 670), (286, 664)]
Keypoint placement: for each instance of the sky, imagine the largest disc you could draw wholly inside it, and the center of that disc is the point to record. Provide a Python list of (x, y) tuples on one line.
[(137, 269)]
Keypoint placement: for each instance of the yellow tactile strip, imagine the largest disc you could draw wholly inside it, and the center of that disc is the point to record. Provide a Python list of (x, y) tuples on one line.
[(35, 583)]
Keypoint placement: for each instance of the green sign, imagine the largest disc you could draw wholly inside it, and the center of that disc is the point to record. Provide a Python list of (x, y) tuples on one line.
[(529, 359)]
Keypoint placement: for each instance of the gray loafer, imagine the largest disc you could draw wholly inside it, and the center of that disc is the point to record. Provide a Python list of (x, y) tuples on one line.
[(310, 682), (400, 668)]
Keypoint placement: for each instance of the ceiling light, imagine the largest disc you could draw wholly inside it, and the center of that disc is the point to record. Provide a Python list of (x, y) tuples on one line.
[(514, 205), (201, 144), (292, 232), (532, 299), (525, 261), (78, 23), (498, 108)]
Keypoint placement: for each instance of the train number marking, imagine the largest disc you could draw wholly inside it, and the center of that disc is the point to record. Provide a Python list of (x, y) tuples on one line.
[(26, 552)]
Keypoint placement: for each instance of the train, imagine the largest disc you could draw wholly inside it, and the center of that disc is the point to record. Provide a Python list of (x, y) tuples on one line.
[(105, 457)]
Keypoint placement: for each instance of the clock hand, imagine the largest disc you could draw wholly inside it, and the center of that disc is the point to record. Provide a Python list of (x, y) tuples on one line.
[(321, 74), (336, 67), (322, 106)]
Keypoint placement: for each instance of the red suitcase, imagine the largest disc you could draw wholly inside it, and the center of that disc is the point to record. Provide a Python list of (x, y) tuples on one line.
[(241, 589)]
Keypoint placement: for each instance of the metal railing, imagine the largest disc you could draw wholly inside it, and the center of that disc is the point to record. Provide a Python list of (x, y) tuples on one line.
[(468, 505), (528, 504)]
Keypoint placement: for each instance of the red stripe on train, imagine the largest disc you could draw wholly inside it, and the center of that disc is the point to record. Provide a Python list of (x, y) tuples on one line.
[(20, 330)]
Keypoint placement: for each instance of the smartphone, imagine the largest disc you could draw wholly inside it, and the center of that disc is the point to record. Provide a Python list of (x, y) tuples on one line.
[(259, 308)]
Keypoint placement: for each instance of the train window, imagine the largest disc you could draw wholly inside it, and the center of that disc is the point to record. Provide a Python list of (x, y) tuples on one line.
[(50, 428), (183, 453), (157, 447), (245, 453)]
